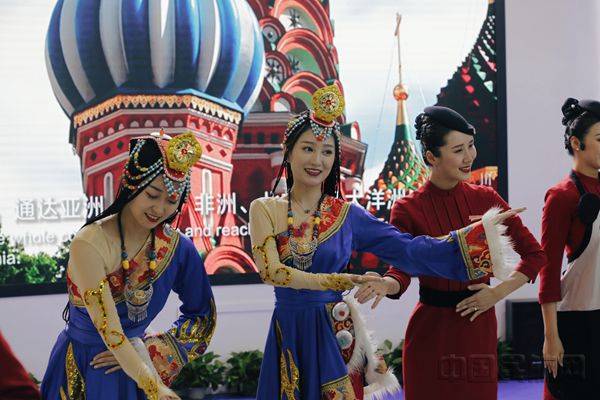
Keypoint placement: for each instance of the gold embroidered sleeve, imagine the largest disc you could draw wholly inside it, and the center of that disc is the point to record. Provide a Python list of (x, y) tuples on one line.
[(187, 340), (112, 336), (486, 248), (272, 271), (338, 282), (149, 384), (195, 334)]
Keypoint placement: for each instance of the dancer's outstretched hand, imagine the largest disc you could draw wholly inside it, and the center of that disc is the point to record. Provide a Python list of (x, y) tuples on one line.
[(373, 289), (366, 278)]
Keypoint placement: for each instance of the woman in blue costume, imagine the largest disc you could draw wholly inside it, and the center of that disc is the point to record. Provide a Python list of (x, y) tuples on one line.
[(317, 346), (122, 267)]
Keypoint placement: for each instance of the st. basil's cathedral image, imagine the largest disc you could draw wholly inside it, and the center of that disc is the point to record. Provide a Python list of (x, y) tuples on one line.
[(232, 72)]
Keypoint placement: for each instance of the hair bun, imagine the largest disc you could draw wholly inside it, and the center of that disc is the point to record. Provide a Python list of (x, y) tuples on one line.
[(420, 122), (571, 110)]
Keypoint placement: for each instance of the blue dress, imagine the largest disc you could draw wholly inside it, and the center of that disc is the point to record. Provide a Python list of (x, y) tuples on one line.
[(179, 268), (303, 358)]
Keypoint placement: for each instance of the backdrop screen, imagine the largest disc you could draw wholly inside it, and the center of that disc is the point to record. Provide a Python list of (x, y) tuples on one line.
[(65, 128)]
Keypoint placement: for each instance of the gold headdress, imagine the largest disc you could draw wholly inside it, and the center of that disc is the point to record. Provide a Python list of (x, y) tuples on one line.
[(178, 156), (327, 105)]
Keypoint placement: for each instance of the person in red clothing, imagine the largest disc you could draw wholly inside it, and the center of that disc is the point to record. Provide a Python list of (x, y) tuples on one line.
[(571, 301), (451, 339), (15, 383)]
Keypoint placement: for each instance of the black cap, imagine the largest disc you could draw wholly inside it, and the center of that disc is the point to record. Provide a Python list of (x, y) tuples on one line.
[(450, 119), (573, 108), (592, 106)]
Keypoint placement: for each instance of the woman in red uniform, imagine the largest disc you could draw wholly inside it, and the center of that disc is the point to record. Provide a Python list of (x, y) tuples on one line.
[(570, 223), (450, 344)]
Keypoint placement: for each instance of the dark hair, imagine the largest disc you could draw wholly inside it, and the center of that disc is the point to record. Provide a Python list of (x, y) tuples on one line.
[(431, 134), (148, 155), (331, 186), (577, 122)]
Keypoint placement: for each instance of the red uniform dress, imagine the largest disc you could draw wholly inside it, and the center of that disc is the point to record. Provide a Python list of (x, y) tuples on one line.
[(579, 314), (445, 355), (15, 383)]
